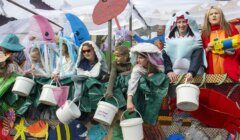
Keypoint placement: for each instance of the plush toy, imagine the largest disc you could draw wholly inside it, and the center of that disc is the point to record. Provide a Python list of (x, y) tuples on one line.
[(230, 43)]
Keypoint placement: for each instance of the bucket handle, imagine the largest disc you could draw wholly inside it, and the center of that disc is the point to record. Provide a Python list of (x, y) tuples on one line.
[(56, 83), (121, 119), (73, 102), (113, 98), (231, 91)]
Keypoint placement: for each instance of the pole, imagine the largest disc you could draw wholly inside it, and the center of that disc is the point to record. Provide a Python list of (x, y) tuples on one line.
[(109, 58)]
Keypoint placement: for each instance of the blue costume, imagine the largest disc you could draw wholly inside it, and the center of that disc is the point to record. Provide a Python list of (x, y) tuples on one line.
[(152, 40)]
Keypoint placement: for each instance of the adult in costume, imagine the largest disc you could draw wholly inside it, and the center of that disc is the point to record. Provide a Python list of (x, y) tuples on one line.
[(216, 27), (183, 53)]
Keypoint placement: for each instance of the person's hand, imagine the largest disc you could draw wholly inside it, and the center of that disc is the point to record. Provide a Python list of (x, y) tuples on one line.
[(55, 77), (172, 76), (188, 77), (30, 72), (209, 47), (108, 95), (150, 74), (131, 33), (130, 105)]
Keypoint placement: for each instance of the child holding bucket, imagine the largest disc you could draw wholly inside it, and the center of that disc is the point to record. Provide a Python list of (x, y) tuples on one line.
[(142, 67), (147, 85), (66, 60), (37, 66)]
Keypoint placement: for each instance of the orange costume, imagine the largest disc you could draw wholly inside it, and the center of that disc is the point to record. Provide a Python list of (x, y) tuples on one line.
[(225, 63)]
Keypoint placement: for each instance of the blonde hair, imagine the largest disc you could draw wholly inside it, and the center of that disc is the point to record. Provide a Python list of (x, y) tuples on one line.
[(224, 25)]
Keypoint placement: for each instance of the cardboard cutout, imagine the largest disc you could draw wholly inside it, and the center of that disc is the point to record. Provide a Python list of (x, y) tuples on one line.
[(108, 9)]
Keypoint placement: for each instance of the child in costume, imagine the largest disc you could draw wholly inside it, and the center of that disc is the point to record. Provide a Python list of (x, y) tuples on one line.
[(37, 65), (147, 85), (66, 60), (216, 27), (121, 65), (183, 53)]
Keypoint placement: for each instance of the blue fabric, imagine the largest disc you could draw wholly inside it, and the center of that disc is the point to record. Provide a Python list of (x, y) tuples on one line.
[(176, 137), (77, 131), (97, 132), (85, 65), (160, 38)]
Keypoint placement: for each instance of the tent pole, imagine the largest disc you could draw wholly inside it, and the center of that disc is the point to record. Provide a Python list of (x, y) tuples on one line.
[(130, 29), (13, 2), (109, 58)]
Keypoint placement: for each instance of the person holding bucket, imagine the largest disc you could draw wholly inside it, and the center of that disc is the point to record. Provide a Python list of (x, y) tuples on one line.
[(183, 53), (37, 66), (66, 60), (146, 81), (90, 63)]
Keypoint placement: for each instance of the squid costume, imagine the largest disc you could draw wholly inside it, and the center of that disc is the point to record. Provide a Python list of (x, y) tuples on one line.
[(183, 54), (63, 67), (226, 62)]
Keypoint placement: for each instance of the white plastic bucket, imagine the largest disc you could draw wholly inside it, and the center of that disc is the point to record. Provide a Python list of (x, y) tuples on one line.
[(105, 112), (68, 112), (23, 86), (132, 128), (47, 96), (187, 97)]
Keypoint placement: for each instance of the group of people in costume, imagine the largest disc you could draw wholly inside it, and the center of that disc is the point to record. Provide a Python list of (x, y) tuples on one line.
[(140, 74)]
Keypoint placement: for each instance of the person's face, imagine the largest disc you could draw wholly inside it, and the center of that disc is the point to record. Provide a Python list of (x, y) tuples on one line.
[(214, 17), (121, 58), (160, 30), (35, 56), (182, 26), (88, 52), (143, 61), (64, 49)]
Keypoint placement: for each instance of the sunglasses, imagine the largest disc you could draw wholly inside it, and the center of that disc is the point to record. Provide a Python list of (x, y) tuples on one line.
[(84, 51)]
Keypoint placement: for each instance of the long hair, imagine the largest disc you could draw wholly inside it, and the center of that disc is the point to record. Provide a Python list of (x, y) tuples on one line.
[(150, 67), (224, 25)]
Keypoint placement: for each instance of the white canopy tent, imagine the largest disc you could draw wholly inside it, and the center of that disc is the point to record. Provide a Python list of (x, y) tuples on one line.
[(153, 11)]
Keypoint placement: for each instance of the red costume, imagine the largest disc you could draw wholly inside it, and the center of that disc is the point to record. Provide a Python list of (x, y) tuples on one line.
[(231, 63)]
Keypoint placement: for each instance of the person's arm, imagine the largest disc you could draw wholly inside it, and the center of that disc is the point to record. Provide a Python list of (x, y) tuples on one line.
[(168, 67), (167, 62), (196, 61), (140, 40), (136, 74)]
